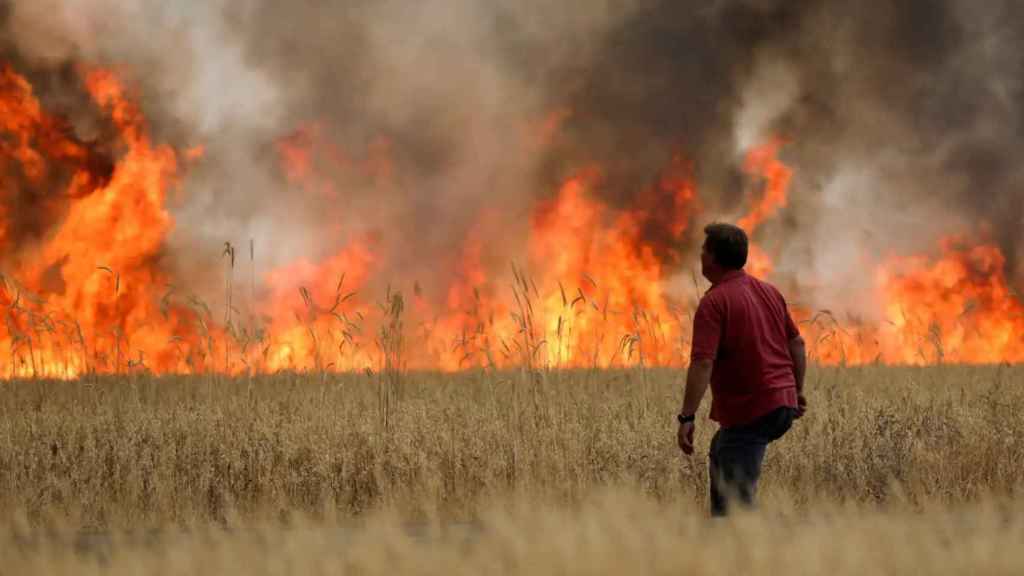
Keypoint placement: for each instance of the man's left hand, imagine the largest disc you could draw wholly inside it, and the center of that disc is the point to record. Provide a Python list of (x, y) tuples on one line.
[(685, 438)]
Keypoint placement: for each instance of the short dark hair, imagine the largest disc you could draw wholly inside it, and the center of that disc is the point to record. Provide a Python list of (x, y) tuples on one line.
[(727, 244)]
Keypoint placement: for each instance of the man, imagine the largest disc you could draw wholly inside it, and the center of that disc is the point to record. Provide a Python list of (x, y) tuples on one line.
[(747, 348)]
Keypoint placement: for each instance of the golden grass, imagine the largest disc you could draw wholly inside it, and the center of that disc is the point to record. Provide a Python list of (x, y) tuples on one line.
[(894, 470), (153, 452), (610, 532)]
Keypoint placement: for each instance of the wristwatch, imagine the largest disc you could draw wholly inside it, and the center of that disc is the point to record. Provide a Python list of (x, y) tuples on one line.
[(686, 419)]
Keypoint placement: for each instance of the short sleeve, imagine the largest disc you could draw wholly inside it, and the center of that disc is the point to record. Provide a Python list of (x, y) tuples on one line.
[(707, 331), (791, 330)]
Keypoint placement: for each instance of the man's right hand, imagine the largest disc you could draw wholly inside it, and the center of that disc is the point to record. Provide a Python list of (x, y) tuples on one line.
[(684, 437), (801, 405)]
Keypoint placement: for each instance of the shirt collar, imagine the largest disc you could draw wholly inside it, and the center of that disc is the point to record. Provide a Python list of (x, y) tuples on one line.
[(730, 276)]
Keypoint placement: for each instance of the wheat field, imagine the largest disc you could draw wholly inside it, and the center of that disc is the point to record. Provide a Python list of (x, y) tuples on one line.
[(893, 470)]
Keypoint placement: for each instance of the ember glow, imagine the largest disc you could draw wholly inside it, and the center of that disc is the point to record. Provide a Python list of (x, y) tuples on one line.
[(86, 289)]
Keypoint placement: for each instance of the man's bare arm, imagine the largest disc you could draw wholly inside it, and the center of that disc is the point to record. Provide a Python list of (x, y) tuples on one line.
[(698, 377)]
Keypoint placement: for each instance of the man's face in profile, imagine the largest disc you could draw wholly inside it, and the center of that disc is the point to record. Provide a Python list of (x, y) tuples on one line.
[(707, 261)]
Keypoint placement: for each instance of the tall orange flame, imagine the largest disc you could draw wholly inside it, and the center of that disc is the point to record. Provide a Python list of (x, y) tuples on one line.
[(763, 162), (81, 299)]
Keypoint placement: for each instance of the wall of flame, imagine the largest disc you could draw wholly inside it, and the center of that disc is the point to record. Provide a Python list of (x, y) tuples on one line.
[(87, 288)]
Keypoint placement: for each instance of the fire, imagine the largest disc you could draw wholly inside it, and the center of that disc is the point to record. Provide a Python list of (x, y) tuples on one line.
[(613, 262), (589, 289), (79, 297), (759, 263), (36, 152), (472, 327), (84, 288), (958, 308), (591, 292), (325, 324), (763, 163)]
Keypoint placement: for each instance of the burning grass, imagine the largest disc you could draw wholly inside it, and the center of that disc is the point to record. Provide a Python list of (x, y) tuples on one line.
[(86, 289)]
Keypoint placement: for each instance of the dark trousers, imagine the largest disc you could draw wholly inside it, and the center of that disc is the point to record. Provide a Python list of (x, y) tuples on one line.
[(736, 456)]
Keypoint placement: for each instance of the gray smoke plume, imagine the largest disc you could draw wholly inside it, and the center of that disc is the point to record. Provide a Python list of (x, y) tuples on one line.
[(902, 117)]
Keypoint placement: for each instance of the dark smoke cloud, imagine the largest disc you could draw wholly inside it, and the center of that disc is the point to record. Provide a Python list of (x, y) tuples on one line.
[(903, 116), (927, 92)]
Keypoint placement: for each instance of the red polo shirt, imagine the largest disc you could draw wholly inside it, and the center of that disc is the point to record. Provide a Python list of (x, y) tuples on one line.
[(743, 325)]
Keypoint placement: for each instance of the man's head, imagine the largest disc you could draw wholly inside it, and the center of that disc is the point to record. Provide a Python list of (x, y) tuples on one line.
[(724, 249)]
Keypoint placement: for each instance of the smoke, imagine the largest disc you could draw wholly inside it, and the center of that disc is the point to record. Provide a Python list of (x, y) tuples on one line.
[(902, 117), (905, 130)]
